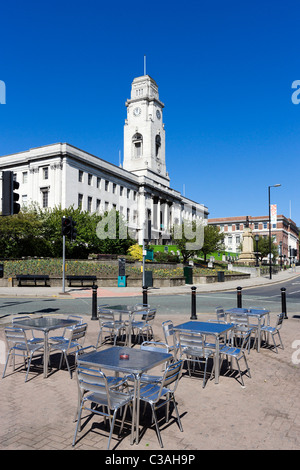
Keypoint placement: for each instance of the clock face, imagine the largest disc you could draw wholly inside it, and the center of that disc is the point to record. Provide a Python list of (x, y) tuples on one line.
[(137, 111), (158, 114)]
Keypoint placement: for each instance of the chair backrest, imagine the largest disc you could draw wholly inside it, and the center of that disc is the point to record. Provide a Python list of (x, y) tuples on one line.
[(105, 316), (75, 317), (150, 315), (171, 377), (238, 319), (15, 336), (246, 339), (93, 380), (78, 332), (191, 340), (220, 313), (155, 346), (280, 318), (168, 329)]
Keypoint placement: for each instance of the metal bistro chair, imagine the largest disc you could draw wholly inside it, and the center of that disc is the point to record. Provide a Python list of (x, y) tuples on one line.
[(108, 324), (220, 316), (18, 345), (114, 382), (64, 336), (71, 345), (161, 394), (144, 326), (232, 352), (170, 337), (196, 351), (266, 330), (241, 329), (93, 387), (33, 339)]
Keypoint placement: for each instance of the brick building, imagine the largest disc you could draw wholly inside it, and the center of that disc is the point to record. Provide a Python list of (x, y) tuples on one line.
[(285, 232)]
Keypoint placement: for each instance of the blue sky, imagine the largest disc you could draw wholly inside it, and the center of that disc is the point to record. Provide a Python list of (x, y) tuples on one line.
[(224, 70)]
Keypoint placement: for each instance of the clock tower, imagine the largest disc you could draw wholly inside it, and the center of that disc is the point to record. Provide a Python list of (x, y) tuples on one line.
[(144, 133)]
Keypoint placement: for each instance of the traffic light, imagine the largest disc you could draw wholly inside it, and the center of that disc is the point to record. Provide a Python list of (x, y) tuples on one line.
[(10, 205), (73, 230), (66, 226)]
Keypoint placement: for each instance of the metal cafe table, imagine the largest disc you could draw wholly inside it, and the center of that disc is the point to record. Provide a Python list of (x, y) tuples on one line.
[(45, 324), (208, 328), (122, 310), (254, 313), (138, 362)]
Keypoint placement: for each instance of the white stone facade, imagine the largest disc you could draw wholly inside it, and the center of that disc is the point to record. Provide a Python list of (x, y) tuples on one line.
[(60, 174)]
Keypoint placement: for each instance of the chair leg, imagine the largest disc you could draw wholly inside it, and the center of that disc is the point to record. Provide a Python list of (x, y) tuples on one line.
[(156, 426), (99, 339), (78, 425), (67, 362), (248, 370), (281, 343), (29, 363), (177, 414), (238, 366), (112, 424), (123, 418), (7, 359), (204, 377), (274, 342)]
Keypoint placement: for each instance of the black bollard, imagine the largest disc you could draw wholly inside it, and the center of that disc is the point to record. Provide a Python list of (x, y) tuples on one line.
[(239, 297), (193, 304), (145, 295), (94, 302), (283, 302)]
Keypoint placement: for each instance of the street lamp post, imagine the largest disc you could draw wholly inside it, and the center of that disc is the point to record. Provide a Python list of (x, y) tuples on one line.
[(270, 242)]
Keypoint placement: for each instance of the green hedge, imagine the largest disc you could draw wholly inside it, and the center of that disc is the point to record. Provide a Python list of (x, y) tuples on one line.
[(53, 267)]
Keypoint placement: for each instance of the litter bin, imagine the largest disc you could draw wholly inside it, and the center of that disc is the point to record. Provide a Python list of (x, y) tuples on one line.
[(221, 277), (121, 281), (148, 279), (188, 274)]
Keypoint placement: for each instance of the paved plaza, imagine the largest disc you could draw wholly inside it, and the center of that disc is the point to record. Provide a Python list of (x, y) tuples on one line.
[(264, 415)]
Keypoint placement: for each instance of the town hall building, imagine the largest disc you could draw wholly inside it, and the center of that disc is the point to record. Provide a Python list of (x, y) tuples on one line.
[(63, 175)]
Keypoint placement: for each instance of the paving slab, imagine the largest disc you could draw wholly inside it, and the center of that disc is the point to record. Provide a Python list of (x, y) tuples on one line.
[(264, 415)]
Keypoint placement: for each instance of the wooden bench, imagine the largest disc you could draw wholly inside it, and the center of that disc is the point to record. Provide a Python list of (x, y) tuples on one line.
[(32, 278), (82, 280)]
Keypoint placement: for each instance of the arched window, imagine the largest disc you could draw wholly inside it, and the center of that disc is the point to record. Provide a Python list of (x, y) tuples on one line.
[(137, 141), (157, 145)]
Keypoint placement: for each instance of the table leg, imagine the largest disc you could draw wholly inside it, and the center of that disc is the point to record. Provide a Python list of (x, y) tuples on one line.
[(258, 334), (46, 356), (138, 380), (134, 411), (128, 340), (217, 361)]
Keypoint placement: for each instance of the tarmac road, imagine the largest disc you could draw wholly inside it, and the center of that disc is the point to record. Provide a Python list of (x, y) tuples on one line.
[(258, 292)]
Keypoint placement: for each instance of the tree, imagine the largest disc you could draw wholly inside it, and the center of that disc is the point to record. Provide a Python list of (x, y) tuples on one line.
[(213, 240), (188, 236), (37, 232), (22, 235), (263, 248)]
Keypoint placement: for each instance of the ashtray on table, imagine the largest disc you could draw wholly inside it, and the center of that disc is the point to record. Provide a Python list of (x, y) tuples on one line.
[(124, 356)]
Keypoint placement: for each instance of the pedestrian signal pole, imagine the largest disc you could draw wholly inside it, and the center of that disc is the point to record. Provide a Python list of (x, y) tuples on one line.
[(64, 262), (66, 228)]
